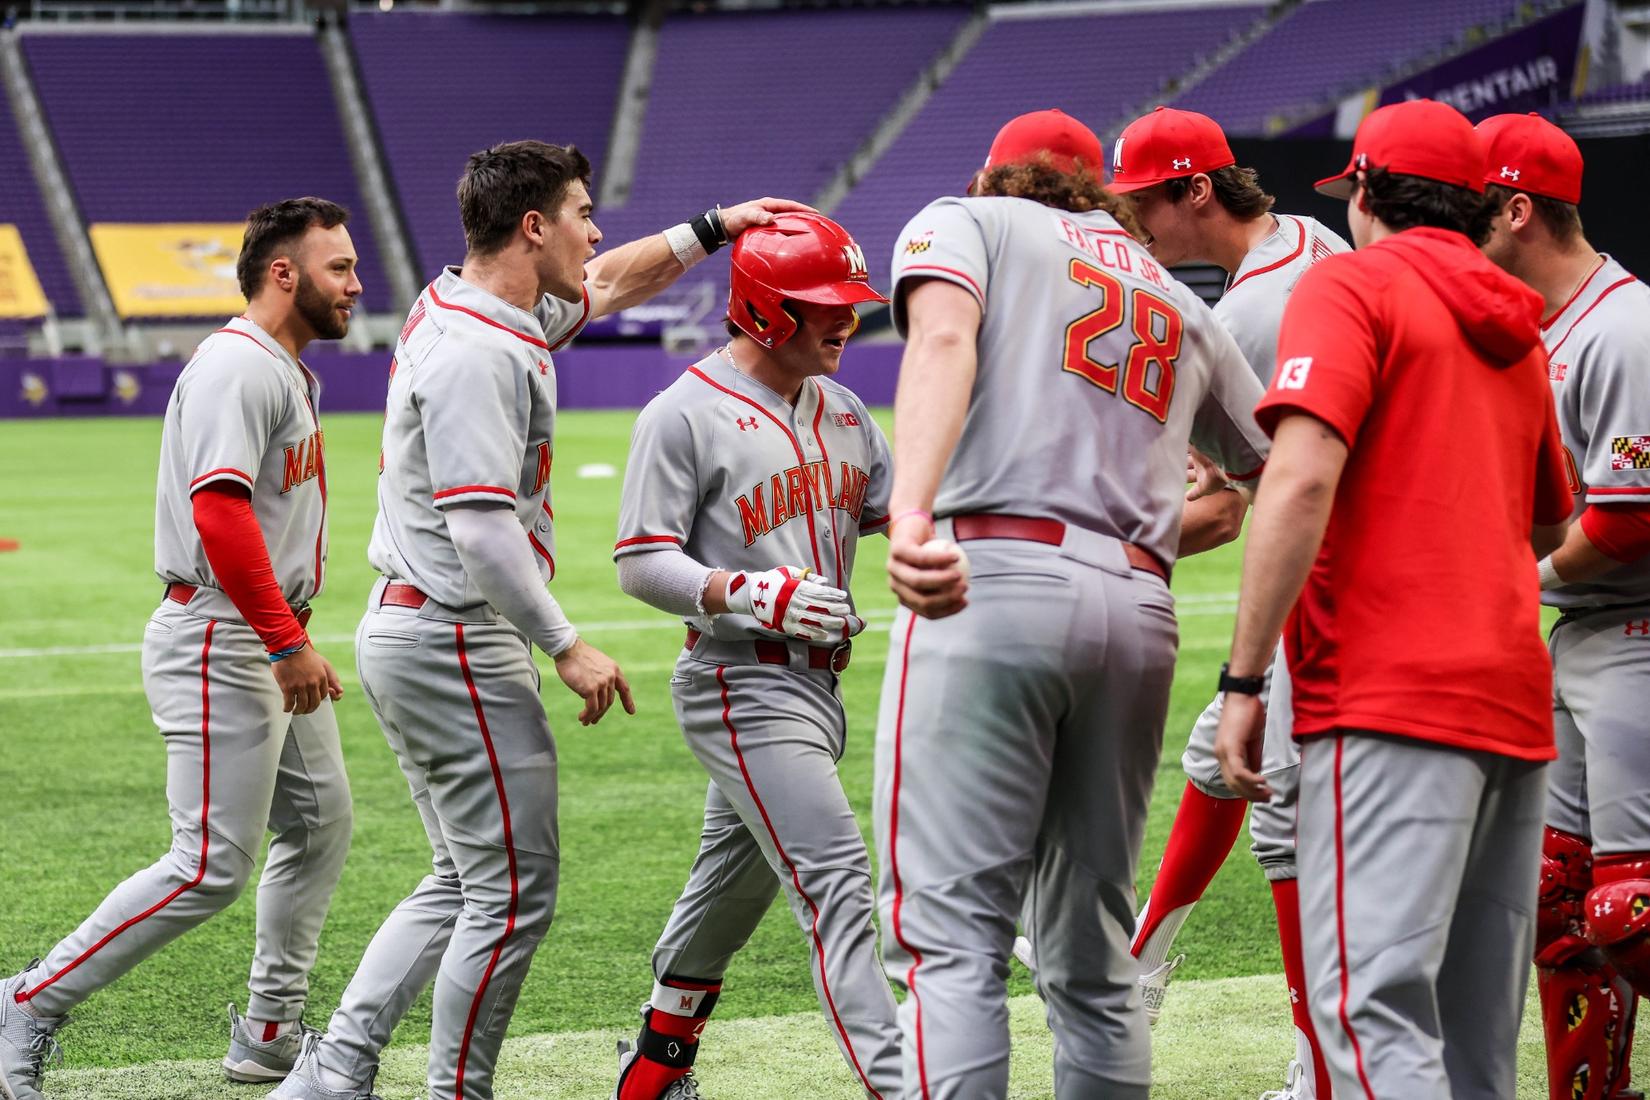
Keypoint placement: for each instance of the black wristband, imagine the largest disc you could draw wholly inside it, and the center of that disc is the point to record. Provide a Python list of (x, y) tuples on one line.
[(714, 216), (707, 227), (1241, 685)]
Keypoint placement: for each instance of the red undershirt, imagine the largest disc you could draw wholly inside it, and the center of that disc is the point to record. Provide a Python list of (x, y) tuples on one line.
[(239, 558)]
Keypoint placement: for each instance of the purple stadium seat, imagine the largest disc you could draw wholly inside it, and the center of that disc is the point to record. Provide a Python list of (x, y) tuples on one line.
[(197, 127), (442, 86), (1095, 67), (1331, 47), (22, 206)]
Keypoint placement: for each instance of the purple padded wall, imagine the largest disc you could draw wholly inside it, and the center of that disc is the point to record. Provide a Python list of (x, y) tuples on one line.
[(1094, 67), (442, 86), (198, 127)]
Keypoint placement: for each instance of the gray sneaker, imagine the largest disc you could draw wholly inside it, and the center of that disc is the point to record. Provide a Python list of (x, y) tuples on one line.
[(683, 1088), (26, 1043), (252, 1061), (304, 1081)]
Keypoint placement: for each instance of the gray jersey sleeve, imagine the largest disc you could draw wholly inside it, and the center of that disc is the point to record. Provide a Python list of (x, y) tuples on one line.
[(662, 492), (1611, 411), (944, 241), (228, 409), (475, 426), (875, 515), (563, 320), (1224, 426)]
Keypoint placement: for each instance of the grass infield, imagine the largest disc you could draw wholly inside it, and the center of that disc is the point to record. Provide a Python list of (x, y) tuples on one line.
[(82, 806)]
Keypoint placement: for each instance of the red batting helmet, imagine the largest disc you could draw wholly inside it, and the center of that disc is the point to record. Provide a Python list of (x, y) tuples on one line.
[(804, 257)]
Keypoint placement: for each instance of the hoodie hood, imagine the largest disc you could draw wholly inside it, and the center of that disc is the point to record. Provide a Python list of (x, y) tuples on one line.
[(1498, 313)]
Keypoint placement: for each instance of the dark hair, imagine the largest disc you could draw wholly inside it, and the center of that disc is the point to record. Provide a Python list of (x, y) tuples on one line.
[(1236, 189), (1562, 219), (500, 185), (1406, 202), (278, 226), (1078, 191)]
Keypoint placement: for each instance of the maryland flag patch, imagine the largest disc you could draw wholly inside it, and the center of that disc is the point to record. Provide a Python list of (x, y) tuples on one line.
[(1630, 452), (916, 246)]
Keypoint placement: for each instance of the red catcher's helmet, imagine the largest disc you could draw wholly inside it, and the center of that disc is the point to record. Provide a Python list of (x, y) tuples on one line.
[(805, 257)]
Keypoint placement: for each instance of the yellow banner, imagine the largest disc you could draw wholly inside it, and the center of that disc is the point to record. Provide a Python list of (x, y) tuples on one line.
[(173, 270), (20, 293)]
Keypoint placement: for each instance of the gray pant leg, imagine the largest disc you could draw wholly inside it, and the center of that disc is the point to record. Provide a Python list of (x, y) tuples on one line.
[(1397, 842), (311, 819), (1272, 823), (770, 736), (217, 706), (727, 894), (967, 740), (1602, 678)]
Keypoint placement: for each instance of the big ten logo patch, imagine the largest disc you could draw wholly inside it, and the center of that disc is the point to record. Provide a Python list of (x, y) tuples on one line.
[(845, 420), (303, 461), (1637, 628), (919, 244), (1557, 371), (801, 491), (1292, 374), (541, 476)]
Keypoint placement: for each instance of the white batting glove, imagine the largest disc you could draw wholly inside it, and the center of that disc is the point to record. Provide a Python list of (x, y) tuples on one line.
[(789, 601), (851, 625)]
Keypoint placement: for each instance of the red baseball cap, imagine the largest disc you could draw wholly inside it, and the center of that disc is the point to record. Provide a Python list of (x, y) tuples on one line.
[(1066, 141), (1420, 137), (1165, 145), (1528, 153)]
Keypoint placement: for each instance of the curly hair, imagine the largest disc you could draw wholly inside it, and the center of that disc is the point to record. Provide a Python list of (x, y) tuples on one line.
[(1406, 202), (1078, 191)]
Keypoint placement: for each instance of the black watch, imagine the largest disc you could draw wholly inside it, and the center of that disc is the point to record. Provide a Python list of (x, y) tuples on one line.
[(1242, 685)]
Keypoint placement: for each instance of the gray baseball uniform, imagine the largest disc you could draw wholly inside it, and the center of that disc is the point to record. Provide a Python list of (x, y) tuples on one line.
[(1599, 788), (1017, 740), (470, 416), (738, 478), (1252, 310), (243, 411)]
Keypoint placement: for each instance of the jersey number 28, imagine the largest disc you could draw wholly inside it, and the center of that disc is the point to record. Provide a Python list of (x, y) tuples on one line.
[(1148, 368)]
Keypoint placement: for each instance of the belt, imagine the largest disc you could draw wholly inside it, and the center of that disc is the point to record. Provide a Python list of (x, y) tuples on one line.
[(183, 593), (770, 652), (397, 594), (1049, 531)]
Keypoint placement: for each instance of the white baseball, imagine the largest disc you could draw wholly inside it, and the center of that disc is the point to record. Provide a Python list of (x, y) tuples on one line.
[(947, 544)]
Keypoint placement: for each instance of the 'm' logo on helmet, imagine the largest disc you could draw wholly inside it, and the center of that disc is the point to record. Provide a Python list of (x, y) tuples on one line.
[(856, 261)]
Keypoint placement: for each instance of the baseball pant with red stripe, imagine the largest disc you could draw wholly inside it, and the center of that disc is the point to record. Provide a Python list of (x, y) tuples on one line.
[(776, 818), (1016, 747), (457, 696), (236, 766), (1418, 867)]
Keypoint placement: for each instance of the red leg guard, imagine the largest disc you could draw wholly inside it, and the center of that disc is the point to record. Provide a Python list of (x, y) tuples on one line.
[(1204, 830), (1618, 915), (1286, 898), (670, 1038)]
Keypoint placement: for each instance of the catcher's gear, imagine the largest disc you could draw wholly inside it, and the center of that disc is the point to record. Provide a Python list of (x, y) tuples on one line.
[(789, 601), (1566, 876), (1618, 915), (799, 257)]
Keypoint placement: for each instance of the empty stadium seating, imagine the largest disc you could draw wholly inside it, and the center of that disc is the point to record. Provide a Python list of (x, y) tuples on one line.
[(21, 205)]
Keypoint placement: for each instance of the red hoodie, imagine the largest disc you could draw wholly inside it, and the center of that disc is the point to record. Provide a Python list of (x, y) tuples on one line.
[(1421, 616)]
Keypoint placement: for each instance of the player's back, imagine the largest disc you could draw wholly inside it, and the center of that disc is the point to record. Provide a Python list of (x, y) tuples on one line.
[(1095, 366), (1252, 307)]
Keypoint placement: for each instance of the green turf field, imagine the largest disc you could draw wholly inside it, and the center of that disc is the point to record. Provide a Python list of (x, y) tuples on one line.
[(81, 805)]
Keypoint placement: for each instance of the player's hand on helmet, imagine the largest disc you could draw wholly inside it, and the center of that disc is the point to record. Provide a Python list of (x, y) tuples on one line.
[(929, 579), (305, 678), (1238, 743), (791, 601), (595, 677), (737, 219), (1203, 476)]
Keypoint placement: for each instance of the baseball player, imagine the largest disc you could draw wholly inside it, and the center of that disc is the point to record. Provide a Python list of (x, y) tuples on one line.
[(1052, 377), (1196, 204), (243, 700), (751, 480), (1415, 462), (465, 544), (1590, 953)]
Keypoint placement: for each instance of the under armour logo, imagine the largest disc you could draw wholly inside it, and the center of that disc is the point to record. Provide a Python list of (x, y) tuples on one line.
[(1641, 628), (544, 368), (1362, 161), (1183, 162), (1294, 996), (1509, 173), (744, 424)]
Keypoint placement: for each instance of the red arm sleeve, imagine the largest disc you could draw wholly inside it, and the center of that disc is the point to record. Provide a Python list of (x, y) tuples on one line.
[(1619, 531), (235, 549)]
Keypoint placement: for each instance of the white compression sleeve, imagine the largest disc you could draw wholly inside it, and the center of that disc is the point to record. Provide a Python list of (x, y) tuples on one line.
[(493, 549), (666, 579)]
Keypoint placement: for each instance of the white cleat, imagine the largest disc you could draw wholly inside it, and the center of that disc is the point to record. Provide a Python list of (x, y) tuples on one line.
[(1297, 1085), (1022, 951), (1154, 986)]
